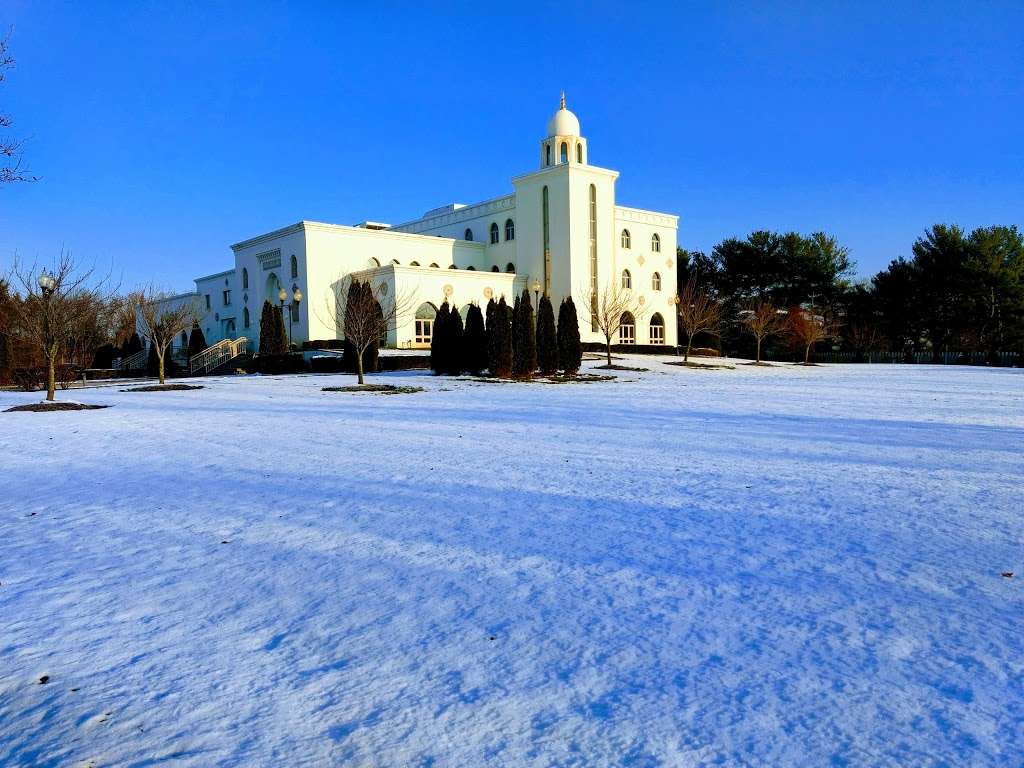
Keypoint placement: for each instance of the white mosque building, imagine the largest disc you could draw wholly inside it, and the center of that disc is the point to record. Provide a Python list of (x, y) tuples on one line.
[(559, 231)]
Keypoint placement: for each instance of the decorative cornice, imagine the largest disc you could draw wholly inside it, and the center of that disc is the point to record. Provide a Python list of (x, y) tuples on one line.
[(622, 213), (495, 205)]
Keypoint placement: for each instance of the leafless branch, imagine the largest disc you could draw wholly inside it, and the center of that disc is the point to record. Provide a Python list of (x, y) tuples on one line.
[(698, 313)]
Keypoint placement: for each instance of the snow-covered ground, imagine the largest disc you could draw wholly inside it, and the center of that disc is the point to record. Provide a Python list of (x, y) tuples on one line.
[(761, 566)]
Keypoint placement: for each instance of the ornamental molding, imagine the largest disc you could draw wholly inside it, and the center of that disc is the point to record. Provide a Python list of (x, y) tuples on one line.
[(269, 259)]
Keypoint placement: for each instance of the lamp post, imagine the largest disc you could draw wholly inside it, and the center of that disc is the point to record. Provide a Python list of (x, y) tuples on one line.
[(536, 294), (282, 296), (47, 284), (297, 298), (675, 301)]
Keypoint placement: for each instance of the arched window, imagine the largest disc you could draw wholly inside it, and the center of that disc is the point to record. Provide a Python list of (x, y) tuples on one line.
[(424, 330), (657, 329), (295, 266), (510, 229), (494, 233), (563, 153), (655, 244), (452, 266), (471, 268), (495, 268), (627, 329), (547, 154), (396, 262), (510, 267), (625, 238), (579, 153), (372, 263), (414, 263), (627, 279), (434, 266), (184, 338), (245, 317), (656, 281), (468, 234), (245, 279)]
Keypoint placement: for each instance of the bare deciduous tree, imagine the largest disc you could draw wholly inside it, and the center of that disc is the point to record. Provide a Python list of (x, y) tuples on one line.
[(363, 315), (162, 320), (698, 313), (762, 320), (863, 337), (55, 307), (10, 148), (609, 308), (807, 328)]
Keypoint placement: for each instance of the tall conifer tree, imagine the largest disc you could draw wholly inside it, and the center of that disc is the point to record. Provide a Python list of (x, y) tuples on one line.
[(490, 330), (455, 345), (570, 351), (547, 343), (439, 339), (475, 341), (502, 336), (524, 338)]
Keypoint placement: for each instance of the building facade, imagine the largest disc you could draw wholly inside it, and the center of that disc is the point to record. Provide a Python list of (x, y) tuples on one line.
[(560, 230)]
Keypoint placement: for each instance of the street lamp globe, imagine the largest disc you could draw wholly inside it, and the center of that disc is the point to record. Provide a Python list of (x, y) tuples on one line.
[(297, 296), (536, 285), (46, 282), (282, 295)]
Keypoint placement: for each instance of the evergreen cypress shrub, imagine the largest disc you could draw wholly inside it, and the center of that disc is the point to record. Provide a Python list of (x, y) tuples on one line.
[(267, 330), (475, 341), (196, 341), (438, 340), (502, 340), (102, 358), (492, 349), (547, 343), (524, 338), (455, 344), (132, 345), (570, 351)]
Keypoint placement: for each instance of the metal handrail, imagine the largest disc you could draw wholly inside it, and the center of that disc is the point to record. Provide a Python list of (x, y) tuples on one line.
[(138, 360), (217, 354)]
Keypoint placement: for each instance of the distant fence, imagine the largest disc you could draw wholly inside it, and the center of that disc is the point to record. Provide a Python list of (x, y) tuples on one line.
[(1005, 359)]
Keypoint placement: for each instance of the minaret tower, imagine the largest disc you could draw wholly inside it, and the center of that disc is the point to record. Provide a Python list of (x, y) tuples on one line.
[(563, 145)]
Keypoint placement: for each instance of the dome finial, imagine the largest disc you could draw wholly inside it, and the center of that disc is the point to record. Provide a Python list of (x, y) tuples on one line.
[(562, 104)]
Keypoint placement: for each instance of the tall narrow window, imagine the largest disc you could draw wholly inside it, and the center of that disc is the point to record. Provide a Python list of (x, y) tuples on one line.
[(510, 229), (655, 244), (245, 317), (657, 329), (579, 153), (656, 281), (626, 240), (295, 266), (547, 239), (468, 234), (547, 154), (563, 153), (593, 258), (494, 233), (627, 329), (245, 279), (627, 279)]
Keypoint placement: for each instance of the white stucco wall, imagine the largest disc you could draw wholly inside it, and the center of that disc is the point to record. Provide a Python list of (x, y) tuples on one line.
[(402, 256)]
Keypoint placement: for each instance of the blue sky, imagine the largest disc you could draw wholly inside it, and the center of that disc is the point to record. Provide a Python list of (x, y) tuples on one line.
[(164, 132)]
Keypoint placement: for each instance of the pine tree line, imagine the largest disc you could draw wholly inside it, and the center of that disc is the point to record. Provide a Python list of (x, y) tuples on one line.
[(510, 344)]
